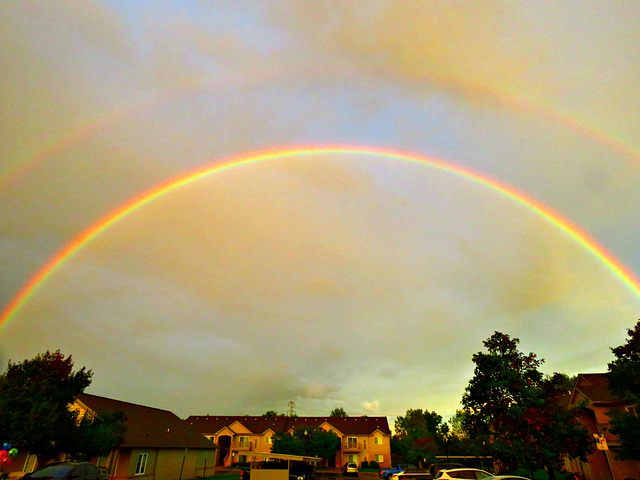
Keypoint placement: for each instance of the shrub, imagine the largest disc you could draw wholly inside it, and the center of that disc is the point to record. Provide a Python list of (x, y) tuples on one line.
[(364, 464), (374, 464)]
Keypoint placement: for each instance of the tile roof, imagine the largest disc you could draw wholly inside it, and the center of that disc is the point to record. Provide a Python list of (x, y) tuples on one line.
[(211, 424), (148, 427)]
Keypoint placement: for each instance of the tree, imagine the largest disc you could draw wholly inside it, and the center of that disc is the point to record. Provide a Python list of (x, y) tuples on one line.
[(291, 444), (338, 412), (517, 413), (418, 435), (312, 442), (272, 413), (96, 435), (624, 372), (35, 399), (624, 380)]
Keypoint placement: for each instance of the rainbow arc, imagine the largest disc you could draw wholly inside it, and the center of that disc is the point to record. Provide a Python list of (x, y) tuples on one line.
[(620, 271)]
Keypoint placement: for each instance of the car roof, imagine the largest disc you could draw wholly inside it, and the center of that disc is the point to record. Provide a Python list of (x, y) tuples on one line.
[(465, 468)]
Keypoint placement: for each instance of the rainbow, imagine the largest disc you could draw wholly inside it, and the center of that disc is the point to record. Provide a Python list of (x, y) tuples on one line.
[(590, 245), (89, 128)]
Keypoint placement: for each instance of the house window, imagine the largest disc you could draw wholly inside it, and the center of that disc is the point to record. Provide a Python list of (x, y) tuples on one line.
[(243, 442), (268, 440), (352, 442), (141, 464), (379, 458), (377, 440)]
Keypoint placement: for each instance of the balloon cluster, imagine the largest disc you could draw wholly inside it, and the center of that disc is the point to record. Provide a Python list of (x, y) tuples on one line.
[(7, 453)]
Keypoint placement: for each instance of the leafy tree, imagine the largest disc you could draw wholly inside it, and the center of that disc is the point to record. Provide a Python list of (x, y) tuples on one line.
[(313, 442), (291, 444), (272, 413), (97, 435), (624, 380), (35, 399), (624, 371), (323, 443), (338, 412), (517, 413), (419, 434)]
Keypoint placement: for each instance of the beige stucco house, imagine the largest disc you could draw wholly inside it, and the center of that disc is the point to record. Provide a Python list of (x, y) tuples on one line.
[(240, 438)]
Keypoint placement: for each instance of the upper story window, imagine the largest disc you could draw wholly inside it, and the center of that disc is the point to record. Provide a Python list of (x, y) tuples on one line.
[(352, 442), (377, 440), (268, 440), (243, 441)]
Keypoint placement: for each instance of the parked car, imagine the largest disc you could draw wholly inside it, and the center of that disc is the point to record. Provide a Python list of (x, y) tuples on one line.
[(412, 474), (350, 469), (67, 471), (465, 473), (386, 473), (435, 468)]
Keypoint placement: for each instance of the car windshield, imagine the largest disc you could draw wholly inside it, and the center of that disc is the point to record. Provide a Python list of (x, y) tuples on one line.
[(53, 471)]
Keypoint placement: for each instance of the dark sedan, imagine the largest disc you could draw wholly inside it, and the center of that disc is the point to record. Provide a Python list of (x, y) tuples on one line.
[(67, 471)]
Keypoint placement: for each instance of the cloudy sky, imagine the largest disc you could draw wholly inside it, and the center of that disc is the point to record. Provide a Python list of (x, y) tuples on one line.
[(363, 271)]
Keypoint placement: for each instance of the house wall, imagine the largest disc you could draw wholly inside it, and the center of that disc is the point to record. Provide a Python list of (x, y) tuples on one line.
[(163, 464), (365, 449)]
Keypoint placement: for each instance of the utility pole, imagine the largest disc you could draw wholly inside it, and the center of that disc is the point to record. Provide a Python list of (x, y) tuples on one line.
[(292, 405)]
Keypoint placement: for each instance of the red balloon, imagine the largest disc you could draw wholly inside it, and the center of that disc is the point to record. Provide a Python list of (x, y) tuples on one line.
[(3, 454), (5, 460)]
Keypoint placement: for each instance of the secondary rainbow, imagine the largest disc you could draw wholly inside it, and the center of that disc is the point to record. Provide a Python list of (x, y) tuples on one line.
[(590, 245)]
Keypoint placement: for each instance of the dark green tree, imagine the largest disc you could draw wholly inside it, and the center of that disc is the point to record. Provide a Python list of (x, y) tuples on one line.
[(624, 381), (313, 442), (517, 414), (272, 413), (323, 443), (338, 412), (418, 435), (291, 444), (35, 400), (97, 435)]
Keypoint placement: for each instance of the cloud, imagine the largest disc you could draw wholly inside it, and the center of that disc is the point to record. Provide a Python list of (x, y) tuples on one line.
[(371, 406)]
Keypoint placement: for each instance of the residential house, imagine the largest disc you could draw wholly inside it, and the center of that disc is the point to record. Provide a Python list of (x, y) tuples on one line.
[(592, 391), (239, 438), (157, 444)]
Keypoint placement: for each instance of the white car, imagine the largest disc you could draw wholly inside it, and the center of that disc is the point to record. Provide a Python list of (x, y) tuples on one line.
[(350, 469), (464, 473)]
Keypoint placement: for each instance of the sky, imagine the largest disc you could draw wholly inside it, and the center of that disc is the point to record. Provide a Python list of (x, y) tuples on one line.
[(221, 207)]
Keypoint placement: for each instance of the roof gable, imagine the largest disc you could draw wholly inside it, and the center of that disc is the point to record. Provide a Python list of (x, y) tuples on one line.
[(238, 428), (594, 388)]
